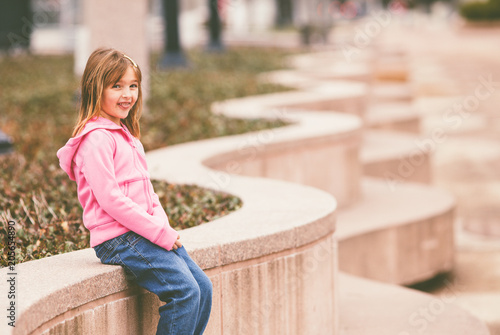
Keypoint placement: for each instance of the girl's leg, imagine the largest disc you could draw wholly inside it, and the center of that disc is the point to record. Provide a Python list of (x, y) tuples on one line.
[(165, 273), (205, 286)]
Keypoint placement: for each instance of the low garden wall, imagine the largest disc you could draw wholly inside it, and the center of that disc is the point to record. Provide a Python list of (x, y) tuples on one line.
[(273, 263)]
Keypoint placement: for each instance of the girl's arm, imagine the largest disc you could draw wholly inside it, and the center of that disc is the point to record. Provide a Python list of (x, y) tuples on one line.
[(98, 169), (160, 212)]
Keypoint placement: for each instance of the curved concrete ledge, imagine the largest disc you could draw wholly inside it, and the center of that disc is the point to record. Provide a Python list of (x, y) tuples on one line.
[(334, 96), (396, 116), (391, 92), (392, 67), (396, 157), (405, 239), (309, 76), (328, 65), (298, 236), (320, 151)]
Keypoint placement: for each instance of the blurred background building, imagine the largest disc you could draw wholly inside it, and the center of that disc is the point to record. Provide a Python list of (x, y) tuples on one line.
[(57, 26)]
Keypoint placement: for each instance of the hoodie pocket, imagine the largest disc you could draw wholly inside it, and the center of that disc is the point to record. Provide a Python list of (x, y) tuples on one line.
[(138, 191)]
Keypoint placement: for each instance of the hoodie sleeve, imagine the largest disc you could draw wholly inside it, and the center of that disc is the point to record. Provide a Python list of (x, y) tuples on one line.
[(158, 210), (98, 170), (157, 207)]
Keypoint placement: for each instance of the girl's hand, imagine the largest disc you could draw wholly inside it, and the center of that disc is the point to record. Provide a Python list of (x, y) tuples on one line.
[(177, 243)]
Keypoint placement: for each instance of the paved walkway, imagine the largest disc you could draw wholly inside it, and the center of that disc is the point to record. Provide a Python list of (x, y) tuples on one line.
[(467, 159)]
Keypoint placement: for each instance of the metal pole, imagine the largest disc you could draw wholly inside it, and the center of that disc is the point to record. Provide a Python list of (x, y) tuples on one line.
[(16, 25), (284, 17), (214, 27), (173, 55)]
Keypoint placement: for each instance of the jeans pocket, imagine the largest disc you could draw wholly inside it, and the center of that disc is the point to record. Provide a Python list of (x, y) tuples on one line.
[(102, 252), (132, 238), (108, 248), (117, 260), (110, 256)]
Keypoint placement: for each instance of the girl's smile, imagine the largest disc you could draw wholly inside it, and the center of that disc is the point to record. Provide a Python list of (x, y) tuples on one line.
[(118, 99), (124, 105)]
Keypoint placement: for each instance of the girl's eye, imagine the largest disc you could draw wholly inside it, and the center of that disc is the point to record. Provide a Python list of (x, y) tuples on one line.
[(134, 85), (116, 86)]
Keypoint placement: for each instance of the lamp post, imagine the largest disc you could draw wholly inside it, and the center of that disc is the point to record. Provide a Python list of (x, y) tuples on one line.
[(173, 55), (284, 17), (214, 27), (15, 25)]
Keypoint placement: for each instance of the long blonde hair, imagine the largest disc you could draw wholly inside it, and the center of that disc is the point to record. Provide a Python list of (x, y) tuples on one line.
[(104, 68)]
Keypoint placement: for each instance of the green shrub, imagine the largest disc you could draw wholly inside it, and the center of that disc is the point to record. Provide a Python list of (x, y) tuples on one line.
[(481, 11)]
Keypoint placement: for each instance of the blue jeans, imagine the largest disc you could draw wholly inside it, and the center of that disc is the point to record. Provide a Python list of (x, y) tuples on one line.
[(172, 275)]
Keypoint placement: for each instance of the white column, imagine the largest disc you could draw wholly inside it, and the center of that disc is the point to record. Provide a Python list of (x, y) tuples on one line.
[(119, 24)]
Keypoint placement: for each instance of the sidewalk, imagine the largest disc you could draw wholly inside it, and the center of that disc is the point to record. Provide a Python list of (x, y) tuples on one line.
[(467, 161)]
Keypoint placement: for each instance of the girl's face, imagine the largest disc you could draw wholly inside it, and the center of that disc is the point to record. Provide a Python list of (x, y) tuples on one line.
[(119, 98)]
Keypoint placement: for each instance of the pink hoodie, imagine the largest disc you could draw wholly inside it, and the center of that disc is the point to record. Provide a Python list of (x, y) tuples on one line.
[(109, 167)]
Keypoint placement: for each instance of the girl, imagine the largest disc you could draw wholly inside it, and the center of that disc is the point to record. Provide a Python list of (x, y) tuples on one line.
[(127, 223)]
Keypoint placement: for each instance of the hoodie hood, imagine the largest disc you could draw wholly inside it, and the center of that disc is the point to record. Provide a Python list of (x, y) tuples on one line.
[(68, 152)]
